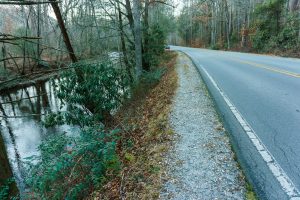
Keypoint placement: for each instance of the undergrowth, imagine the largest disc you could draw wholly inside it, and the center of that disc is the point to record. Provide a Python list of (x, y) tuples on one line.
[(75, 170), (73, 166), (122, 160), (145, 137)]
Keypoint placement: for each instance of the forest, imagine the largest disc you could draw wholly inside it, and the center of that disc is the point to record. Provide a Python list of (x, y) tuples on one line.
[(263, 26), (103, 68)]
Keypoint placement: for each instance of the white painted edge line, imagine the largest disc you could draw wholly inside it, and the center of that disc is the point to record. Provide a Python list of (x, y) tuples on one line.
[(286, 183)]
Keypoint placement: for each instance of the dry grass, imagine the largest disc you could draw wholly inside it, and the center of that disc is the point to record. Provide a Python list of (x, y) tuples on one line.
[(146, 137)]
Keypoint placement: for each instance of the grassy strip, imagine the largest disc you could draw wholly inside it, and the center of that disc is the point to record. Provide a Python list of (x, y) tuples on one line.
[(145, 138), (250, 194)]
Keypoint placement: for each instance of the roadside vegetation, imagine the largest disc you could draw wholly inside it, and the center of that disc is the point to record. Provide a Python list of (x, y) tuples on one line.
[(269, 26), (277, 30), (145, 135), (118, 157)]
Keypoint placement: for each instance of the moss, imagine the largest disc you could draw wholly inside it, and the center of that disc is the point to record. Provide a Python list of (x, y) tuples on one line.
[(250, 194)]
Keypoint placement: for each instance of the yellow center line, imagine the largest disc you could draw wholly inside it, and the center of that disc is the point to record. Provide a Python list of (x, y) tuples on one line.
[(268, 68)]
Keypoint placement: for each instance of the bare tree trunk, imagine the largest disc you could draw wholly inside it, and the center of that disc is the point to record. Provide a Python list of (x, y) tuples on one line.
[(130, 16), (228, 20), (213, 26), (293, 5), (24, 42), (63, 29), (146, 64), (4, 55), (38, 49), (138, 38), (123, 44)]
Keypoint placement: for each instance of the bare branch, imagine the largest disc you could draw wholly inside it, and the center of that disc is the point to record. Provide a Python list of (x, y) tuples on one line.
[(26, 3)]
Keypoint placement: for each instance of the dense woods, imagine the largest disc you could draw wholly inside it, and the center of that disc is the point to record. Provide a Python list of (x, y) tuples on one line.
[(259, 25), (45, 32)]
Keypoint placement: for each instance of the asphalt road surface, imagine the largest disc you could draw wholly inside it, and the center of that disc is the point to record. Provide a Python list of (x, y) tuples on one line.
[(262, 96)]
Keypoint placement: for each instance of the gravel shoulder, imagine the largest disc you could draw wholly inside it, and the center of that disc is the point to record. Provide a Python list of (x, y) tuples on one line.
[(200, 164)]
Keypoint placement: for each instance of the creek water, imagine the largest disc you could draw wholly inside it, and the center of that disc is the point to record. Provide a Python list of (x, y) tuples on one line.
[(22, 112)]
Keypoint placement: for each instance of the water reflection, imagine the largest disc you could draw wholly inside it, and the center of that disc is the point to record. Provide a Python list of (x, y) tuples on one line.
[(21, 114)]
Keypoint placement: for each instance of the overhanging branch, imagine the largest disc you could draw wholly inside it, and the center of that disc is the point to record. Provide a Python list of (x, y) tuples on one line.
[(16, 2)]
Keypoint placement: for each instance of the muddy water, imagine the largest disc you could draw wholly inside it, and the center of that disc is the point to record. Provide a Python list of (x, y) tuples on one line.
[(22, 112)]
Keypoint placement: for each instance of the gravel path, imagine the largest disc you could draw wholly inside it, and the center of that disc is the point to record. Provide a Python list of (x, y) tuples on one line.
[(200, 164)]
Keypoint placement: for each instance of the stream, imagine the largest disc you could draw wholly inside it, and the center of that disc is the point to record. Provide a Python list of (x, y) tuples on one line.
[(22, 112)]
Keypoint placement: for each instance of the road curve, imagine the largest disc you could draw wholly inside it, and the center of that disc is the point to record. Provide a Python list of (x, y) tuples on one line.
[(259, 100)]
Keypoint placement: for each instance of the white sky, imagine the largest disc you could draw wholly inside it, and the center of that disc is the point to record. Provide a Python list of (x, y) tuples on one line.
[(179, 5)]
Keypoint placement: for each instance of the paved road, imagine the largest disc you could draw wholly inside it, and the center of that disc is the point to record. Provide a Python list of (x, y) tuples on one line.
[(266, 92)]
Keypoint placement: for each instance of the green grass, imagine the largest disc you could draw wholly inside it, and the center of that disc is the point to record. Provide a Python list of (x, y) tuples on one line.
[(250, 194)]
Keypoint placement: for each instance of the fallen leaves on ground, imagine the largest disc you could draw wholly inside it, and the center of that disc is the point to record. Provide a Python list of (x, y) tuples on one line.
[(145, 137)]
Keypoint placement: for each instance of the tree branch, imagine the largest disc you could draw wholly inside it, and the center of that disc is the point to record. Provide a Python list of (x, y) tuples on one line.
[(27, 3)]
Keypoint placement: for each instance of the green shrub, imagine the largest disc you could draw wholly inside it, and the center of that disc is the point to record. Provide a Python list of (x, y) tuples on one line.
[(288, 37), (156, 45), (153, 77), (234, 38), (90, 98), (8, 189), (214, 47), (267, 24), (72, 167)]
